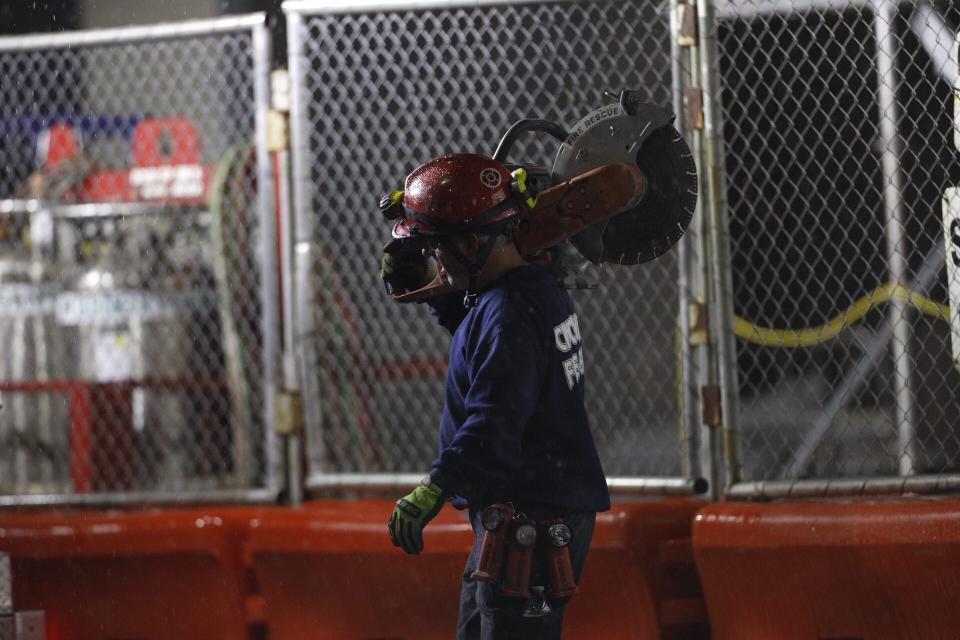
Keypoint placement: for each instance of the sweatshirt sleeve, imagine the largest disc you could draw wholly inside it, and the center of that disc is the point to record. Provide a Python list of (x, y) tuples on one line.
[(505, 373)]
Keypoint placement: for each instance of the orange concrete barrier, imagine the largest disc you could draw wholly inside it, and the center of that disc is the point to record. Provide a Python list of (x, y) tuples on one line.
[(328, 570), (831, 570), (147, 575), (640, 580)]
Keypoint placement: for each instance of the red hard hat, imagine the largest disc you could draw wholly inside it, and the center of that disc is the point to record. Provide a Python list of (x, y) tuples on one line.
[(454, 194)]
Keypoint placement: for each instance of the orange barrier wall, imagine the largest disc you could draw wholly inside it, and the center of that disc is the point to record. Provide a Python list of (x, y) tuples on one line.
[(838, 569), (327, 570), (146, 575)]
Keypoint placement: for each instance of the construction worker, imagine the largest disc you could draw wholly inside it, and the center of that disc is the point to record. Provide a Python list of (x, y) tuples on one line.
[(514, 429)]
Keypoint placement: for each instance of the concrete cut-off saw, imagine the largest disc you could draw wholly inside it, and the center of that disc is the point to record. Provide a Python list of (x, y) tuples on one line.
[(622, 189)]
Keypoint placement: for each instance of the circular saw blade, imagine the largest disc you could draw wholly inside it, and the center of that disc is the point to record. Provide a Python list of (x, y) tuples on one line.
[(645, 138)]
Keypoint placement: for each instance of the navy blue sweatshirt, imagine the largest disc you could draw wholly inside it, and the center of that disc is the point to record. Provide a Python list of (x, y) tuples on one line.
[(514, 426)]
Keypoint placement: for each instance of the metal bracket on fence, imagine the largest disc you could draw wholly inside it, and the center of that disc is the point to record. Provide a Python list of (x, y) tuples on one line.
[(699, 324), (278, 126), (278, 131), (687, 21), (289, 413), (693, 108), (710, 399)]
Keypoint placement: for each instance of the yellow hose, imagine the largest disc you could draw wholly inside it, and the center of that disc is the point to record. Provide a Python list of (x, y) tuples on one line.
[(810, 336)]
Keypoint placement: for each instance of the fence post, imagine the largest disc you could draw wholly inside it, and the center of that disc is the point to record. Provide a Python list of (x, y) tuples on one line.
[(268, 242), (302, 223), (691, 360), (721, 287), (896, 241)]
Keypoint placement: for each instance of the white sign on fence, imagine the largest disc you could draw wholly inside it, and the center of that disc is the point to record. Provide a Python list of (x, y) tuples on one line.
[(951, 235), (955, 59)]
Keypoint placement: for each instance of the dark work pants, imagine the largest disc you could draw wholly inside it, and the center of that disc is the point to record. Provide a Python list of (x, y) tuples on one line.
[(485, 614)]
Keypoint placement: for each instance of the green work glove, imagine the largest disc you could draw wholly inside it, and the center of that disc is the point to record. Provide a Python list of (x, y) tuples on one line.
[(403, 266), (412, 514)]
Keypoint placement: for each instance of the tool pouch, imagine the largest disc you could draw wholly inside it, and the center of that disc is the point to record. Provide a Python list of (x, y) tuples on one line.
[(496, 520), (523, 537), (556, 549)]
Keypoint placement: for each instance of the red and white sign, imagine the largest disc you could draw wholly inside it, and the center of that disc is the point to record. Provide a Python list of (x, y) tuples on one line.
[(168, 182)]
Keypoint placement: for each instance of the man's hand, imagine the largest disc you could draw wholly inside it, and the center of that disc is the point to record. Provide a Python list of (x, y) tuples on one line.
[(412, 514), (403, 266)]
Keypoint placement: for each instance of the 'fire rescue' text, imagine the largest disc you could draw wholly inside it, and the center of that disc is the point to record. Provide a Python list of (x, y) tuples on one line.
[(567, 338)]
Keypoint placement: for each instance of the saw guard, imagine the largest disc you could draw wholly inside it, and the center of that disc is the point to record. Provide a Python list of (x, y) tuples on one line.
[(562, 211), (639, 134)]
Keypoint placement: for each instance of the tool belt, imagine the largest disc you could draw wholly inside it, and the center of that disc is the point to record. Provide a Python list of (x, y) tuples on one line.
[(507, 553)]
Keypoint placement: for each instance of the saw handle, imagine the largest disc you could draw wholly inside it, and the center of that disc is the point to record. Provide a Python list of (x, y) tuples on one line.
[(522, 126)]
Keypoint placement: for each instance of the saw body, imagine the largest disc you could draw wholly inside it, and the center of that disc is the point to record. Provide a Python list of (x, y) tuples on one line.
[(622, 189)]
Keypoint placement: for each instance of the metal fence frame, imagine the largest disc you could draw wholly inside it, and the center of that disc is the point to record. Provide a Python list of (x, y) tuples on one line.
[(256, 25), (317, 482), (883, 12), (704, 275)]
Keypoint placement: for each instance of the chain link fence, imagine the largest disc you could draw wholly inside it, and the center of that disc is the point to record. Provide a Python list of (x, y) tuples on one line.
[(135, 226), (377, 93), (134, 319), (839, 146)]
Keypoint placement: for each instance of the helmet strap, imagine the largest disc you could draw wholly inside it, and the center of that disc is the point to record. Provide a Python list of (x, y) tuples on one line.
[(475, 266), (470, 298)]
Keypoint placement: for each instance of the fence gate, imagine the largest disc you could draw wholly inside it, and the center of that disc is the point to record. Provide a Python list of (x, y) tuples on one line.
[(138, 331), (375, 92), (838, 127)]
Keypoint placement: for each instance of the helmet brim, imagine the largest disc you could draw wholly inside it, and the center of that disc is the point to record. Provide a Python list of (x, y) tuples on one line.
[(407, 228), (401, 229)]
